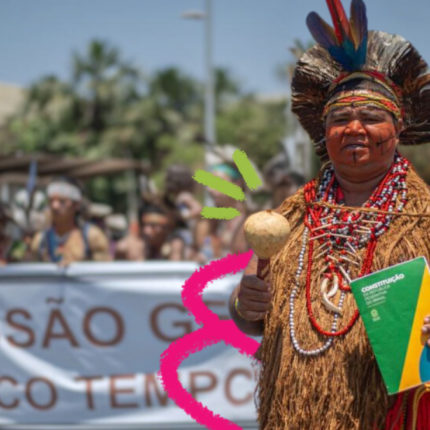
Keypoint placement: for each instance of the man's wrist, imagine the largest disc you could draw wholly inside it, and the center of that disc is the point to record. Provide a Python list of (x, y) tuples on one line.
[(236, 308), (253, 328)]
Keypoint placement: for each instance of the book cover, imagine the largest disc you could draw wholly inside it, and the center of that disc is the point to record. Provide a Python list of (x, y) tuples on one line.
[(393, 303)]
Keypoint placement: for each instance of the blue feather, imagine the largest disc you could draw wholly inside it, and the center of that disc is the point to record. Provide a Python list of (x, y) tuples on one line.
[(339, 54), (359, 30), (361, 54), (321, 31), (358, 22)]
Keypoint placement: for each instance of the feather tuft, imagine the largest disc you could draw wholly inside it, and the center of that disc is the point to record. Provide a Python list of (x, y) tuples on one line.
[(347, 43)]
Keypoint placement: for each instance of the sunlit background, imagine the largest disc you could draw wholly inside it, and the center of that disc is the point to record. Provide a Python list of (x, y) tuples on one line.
[(126, 79)]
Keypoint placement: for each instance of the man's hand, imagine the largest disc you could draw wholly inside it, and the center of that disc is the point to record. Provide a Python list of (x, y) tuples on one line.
[(254, 298), (426, 328)]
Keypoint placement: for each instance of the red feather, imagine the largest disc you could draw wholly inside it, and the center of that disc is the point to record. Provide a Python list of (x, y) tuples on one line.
[(340, 20)]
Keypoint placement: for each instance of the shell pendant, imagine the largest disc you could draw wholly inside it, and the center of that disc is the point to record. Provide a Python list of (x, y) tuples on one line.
[(327, 295)]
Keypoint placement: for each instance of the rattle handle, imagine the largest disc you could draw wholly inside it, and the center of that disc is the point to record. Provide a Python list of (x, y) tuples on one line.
[(263, 268)]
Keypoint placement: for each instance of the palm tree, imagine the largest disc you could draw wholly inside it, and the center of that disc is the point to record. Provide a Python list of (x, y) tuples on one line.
[(285, 71), (227, 89), (103, 80)]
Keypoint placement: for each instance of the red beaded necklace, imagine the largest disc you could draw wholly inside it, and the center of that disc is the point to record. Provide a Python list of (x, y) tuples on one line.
[(344, 229)]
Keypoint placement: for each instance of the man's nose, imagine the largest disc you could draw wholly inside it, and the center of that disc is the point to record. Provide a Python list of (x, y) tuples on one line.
[(147, 230), (355, 127), (55, 204)]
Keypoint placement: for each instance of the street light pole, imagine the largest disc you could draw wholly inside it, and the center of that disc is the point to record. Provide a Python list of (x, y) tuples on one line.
[(209, 120), (210, 135)]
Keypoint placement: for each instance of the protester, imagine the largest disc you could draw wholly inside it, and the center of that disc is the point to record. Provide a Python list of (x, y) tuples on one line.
[(179, 187), (68, 239), (156, 239), (357, 103)]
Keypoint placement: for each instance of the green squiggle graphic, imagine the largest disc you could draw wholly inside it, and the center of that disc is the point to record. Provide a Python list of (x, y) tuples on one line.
[(246, 169), (219, 213), (250, 176), (221, 185)]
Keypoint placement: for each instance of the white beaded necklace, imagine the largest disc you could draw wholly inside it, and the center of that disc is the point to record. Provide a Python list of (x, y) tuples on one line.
[(295, 290), (395, 186)]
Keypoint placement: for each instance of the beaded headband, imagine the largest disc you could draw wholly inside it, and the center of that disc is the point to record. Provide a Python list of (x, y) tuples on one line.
[(362, 98), (372, 76)]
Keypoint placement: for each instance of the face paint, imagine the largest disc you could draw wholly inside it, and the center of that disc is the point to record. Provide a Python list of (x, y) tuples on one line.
[(361, 136)]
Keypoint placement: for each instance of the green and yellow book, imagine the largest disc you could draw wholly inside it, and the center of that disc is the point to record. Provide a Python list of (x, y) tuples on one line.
[(393, 303)]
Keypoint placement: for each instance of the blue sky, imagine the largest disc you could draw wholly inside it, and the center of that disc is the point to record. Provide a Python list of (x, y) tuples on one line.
[(251, 37)]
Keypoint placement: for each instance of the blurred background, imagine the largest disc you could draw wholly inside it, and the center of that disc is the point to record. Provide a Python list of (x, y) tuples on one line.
[(112, 93), (108, 107)]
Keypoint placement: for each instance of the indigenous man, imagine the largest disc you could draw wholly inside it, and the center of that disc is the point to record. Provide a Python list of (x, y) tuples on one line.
[(358, 95), (66, 241), (156, 239)]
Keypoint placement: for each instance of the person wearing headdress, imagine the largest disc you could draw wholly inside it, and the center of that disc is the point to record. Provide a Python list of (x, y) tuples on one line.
[(67, 239), (358, 94)]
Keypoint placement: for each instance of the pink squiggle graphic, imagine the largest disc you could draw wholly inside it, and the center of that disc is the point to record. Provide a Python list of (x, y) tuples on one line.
[(193, 287), (213, 331)]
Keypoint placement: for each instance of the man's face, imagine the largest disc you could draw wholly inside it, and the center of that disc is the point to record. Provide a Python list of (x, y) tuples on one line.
[(155, 228), (364, 137), (62, 208)]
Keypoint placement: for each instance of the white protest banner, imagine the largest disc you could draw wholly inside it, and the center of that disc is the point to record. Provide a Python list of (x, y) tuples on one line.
[(81, 346)]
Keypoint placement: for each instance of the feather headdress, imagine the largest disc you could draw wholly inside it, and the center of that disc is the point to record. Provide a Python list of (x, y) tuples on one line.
[(350, 47)]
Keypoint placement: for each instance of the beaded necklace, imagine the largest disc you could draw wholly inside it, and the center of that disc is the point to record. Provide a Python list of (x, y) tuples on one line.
[(55, 244), (343, 232)]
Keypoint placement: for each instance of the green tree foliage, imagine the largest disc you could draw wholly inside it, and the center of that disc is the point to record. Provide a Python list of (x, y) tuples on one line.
[(256, 126), (174, 90), (47, 116), (108, 108)]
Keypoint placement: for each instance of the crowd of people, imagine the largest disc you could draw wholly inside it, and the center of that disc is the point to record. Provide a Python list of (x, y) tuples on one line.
[(66, 228)]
